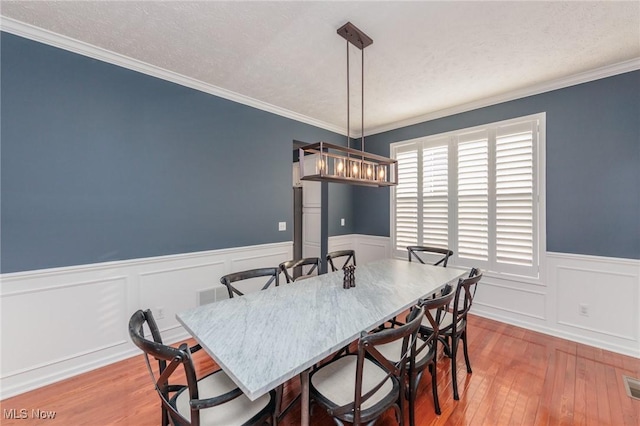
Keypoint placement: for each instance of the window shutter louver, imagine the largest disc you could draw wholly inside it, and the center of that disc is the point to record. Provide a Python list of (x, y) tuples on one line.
[(473, 197), (435, 196), (514, 194), (406, 205)]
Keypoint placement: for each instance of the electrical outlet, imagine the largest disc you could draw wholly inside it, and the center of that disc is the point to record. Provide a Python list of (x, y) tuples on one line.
[(159, 312), (583, 309), (342, 222), (282, 226)]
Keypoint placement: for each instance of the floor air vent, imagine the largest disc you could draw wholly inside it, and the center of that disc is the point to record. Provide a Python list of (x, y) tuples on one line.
[(632, 386)]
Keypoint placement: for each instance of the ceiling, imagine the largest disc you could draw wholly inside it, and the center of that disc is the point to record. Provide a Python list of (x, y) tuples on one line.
[(426, 56)]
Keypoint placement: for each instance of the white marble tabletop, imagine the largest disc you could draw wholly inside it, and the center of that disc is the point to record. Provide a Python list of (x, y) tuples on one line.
[(265, 338)]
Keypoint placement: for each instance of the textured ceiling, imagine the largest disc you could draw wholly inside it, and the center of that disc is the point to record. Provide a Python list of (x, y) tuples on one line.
[(426, 56)]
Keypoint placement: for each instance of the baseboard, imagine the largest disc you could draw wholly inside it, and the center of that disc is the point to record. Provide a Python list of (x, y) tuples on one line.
[(621, 349)]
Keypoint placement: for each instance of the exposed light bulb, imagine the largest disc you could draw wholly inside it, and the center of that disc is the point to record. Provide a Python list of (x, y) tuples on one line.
[(369, 172)]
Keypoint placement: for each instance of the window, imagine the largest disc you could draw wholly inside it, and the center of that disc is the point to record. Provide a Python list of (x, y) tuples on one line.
[(474, 191)]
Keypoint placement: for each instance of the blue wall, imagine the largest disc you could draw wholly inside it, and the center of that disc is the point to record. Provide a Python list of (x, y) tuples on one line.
[(101, 163), (593, 165)]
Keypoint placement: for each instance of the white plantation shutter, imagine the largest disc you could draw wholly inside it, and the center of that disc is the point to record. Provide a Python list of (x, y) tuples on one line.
[(514, 194), (435, 196), (473, 196), (406, 200), (474, 191)]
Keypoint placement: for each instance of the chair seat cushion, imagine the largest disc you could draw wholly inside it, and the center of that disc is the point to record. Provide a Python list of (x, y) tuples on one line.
[(445, 323), (392, 351), (235, 412), (336, 382)]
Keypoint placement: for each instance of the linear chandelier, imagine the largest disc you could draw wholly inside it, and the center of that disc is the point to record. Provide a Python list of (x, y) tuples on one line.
[(322, 161)]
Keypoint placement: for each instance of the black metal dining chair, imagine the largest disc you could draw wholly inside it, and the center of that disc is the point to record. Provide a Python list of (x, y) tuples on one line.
[(348, 255), (453, 323), (358, 388), (426, 349), (228, 280), (211, 400), (300, 269), (418, 253)]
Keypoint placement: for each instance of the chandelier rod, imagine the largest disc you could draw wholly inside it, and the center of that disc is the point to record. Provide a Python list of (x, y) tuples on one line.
[(362, 100), (348, 102)]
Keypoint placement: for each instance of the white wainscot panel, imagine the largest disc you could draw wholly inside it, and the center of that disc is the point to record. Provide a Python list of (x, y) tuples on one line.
[(47, 324), (176, 289), (509, 300), (344, 242), (370, 248), (598, 300)]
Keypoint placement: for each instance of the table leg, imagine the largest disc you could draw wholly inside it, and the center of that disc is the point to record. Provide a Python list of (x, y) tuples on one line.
[(304, 404)]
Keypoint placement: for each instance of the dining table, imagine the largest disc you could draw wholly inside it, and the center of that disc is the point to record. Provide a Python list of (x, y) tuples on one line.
[(263, 339)]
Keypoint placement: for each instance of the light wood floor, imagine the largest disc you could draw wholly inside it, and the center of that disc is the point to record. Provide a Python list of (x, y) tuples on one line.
[(519, 378)]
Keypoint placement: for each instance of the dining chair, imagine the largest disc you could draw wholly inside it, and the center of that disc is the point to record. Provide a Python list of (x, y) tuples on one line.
[(212, 400), (349, 255), (418, 253), (453, 323), (358, 388), (297, 267), (426, 349), (228, 280)]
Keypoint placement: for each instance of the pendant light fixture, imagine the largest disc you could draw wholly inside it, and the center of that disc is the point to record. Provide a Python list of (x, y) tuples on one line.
[(322, 161)]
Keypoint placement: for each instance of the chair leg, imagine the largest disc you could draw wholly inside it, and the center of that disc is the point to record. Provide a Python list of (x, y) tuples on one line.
[(278, 410), (434, 387), (400, 412), (165, 416), (412, 387), (466, 351), (454, 378)]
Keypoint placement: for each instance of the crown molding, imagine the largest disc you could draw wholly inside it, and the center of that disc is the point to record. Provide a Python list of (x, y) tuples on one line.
[(548, 86), (31, 32), (50, 38)]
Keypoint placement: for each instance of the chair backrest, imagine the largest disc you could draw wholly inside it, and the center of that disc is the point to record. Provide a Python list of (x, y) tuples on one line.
[(169, 360), (311, 264), (443, 254), (272, 275), (395, 370), (349, 255), (433, 306), (463, 299)]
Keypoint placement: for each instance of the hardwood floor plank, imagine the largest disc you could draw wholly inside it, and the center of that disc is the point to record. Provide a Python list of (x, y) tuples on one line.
[(520, 377)]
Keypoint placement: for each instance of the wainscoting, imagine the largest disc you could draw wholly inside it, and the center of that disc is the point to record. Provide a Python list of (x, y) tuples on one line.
[(60, 322), (587, 299)]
